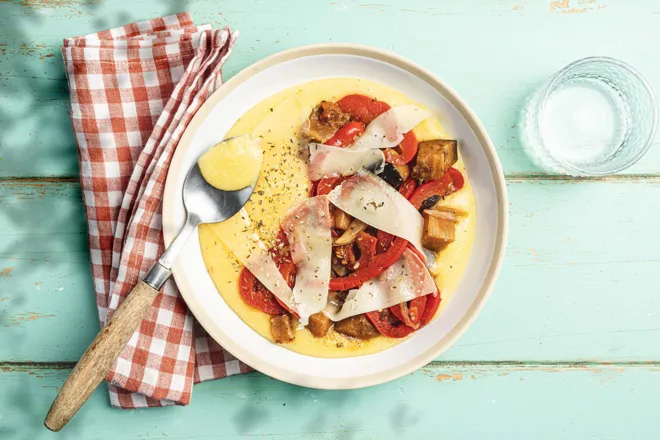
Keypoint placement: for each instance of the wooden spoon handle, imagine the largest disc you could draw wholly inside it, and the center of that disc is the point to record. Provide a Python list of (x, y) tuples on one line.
[(100, 356)]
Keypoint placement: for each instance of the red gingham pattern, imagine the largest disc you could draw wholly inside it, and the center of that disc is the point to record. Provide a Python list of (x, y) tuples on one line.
[(134, 90)]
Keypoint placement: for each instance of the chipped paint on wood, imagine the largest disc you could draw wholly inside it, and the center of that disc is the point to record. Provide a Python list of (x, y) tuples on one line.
[(6, 272), (453, 377), (20, 318), (566, 7)]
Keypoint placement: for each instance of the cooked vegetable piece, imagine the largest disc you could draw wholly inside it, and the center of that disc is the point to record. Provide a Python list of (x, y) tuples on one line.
[(342, 220), (256, 295), (452, 181), (445, 215), (367, 245), (354, 228), (346, 135), (438, 232), (434, 158), (319, 324), (338, 269), (378, 264), (404, 170), (384, 241), (362, 108), (430, 202), (357, 327), (346, 255), (438, 209), (327, 184), (432, 304), (408, 187), (281, 328), (388, 324), (392, 176), (410, 312), (408, 150), (325, 120)]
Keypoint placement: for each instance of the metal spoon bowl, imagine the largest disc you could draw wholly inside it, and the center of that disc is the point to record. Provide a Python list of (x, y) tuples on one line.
[(204, 204)]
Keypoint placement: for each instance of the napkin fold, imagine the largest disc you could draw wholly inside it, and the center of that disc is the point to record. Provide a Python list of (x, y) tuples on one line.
[(134, 89)]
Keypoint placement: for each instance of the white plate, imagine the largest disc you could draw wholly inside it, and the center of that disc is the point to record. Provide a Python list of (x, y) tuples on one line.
[(296, 66)]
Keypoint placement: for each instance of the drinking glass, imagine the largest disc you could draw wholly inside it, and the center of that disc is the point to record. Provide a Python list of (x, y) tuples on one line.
[(596, 116)]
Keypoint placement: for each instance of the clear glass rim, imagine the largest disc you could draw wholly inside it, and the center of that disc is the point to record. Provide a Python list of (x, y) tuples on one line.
[(552, 83)]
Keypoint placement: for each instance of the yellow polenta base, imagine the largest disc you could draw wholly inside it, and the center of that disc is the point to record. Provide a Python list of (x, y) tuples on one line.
[(283, 182)]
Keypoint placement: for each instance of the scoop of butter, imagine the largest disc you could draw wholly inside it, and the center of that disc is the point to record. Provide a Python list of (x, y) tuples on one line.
[(232, 164)]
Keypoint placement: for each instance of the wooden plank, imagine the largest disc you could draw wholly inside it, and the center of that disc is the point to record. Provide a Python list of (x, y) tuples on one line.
[(458, 402), (578, 281), (45, 281), (493, 53)]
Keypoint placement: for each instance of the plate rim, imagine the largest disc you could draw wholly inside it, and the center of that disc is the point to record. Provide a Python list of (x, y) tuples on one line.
[(309, 380)]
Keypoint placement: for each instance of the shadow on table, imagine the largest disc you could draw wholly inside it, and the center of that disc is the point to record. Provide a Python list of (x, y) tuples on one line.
[(37, 141)]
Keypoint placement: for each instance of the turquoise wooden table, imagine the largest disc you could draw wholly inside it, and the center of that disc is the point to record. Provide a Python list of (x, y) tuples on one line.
[(568, 345)]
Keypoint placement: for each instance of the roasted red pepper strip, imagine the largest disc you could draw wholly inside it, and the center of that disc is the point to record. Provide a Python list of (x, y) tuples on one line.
[(362, 108), (367, 245), (384, 241), (450, 182), (388, 325), (408, 147), (256, 295), (346, 135), (456, 177), (327, 184), (378, 264), (312, 188), (410, 313), (408, 187), (432, 304)]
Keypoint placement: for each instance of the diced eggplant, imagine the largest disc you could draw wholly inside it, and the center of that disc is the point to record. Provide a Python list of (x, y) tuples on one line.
[(438, 232), (319, 324), (324, 121), (342, 220), (434, 158), (282, 328), (391, 175), (358, 327)]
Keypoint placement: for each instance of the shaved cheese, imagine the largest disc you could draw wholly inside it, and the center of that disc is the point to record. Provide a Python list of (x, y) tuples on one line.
[(307, 227), (405, 280), (253, 254), (326, 161), (388, 129), (369, 198)]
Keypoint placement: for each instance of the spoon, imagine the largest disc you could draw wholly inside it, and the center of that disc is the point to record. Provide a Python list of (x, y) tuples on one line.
[(204, 204)]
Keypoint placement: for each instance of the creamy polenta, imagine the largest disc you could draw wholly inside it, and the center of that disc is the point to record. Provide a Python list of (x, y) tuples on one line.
[(232, 164), (283, 182)]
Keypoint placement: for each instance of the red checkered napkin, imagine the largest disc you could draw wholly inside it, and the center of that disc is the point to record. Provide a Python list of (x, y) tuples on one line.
[(134, 90)]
